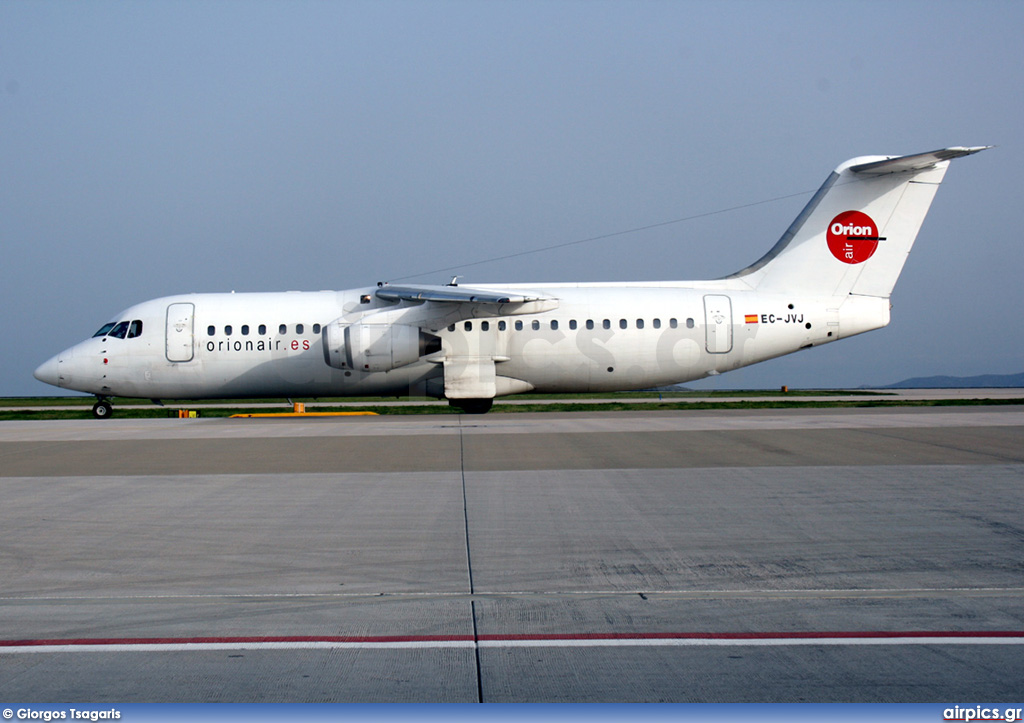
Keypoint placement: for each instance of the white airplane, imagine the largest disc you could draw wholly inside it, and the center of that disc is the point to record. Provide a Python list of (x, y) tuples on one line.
[(829, 277)]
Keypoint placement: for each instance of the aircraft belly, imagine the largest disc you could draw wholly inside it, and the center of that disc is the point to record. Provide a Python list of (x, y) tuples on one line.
[(275, 379), (601, 360)]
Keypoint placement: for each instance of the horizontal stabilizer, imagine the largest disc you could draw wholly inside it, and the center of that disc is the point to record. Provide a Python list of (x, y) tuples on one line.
[(916, 162)]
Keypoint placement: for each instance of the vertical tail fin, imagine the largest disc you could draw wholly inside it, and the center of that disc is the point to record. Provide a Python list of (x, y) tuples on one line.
[(854, 235)]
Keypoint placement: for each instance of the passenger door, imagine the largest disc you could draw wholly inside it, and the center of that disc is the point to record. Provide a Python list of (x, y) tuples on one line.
[(718, 323), (179, 332)]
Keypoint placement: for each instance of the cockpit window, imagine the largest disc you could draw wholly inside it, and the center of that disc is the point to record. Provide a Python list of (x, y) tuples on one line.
[(120, 330), (105, 329), (135, 329)]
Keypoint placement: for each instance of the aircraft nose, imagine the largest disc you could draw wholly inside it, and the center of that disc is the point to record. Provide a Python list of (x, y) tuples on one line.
[(49, 371)]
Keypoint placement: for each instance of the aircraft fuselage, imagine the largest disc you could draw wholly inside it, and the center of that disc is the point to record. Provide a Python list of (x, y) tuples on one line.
[(599, 338)]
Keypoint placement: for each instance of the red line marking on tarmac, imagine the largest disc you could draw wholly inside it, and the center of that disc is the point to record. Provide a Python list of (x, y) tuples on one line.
[(886, 637)]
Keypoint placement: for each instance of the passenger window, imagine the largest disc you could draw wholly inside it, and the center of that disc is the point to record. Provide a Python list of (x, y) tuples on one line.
[(689, 323), (572, 323), (468, 326), (590, 323), (316, 328), (263, 329), (227, 330), (283, 329), (105, 329), (211, 330), (623, 324), (451, 327), (119, 330), (299, 329), (245, 330), (607, 324), (135, 329), (673, 323), (639, 323), (535, 325), (502, 325), (657, 323), (519, 325), (485, 326), (554, 325)]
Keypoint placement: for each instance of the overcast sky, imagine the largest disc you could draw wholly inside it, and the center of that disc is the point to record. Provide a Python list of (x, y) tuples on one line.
[(152, 148)]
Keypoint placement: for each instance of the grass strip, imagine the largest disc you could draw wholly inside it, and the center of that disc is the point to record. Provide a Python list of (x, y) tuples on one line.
[(441, 408)]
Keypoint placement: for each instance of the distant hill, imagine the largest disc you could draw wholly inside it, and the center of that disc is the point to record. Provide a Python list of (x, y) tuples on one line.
[(980, 381)]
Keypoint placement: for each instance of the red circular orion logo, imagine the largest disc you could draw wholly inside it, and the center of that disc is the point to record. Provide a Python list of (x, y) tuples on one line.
[(852, 237)]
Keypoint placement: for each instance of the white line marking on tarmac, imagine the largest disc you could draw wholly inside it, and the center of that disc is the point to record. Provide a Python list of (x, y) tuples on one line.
[(809, 592)]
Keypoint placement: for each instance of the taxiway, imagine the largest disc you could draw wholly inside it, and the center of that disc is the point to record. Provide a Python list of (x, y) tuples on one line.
[(772, 555)]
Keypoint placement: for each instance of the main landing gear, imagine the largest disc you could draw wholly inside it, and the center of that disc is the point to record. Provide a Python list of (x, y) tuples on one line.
[(102, 409), (472, 406)]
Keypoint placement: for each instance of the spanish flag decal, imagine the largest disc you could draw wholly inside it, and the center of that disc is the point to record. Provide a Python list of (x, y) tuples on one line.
[(751, 318)]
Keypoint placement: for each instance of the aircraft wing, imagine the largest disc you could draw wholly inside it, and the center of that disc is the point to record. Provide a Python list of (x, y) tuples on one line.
[(454, 294), (438, 306)]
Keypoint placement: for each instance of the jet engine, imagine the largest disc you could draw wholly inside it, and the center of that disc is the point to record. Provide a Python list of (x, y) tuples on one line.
[(375, 347)]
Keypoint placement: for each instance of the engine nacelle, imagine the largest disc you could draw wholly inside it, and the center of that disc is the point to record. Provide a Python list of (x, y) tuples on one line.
[(375, 347)]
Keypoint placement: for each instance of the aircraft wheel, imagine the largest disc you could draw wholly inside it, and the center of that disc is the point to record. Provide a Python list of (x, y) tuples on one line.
[(473, 406), (102, 409)]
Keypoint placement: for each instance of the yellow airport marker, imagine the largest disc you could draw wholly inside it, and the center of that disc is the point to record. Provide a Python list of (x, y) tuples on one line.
[(304, 414)]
